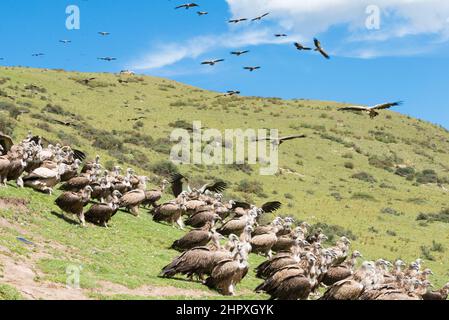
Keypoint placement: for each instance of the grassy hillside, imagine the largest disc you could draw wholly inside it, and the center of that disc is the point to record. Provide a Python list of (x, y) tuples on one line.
[(380, 181)]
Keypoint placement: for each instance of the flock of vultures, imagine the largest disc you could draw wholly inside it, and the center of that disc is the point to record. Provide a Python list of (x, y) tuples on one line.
[(221, 234)]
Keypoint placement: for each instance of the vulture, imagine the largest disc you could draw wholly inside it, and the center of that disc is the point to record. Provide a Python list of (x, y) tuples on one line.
[(372, 111), (292, 282), (43, 179), (132, 200), (65, 41), (278, 141), (77, 183), (107, 58), (198, 261), (353, 287), (101, 213), (239, 53), (6, 143), (279, 261), (212, 62), (199, 219), (260, 17), (103, 33), (320, 49), (251, 69), (74, 203), (177, 186), (280, 35), (237, 20), (187, 6), (197, 238), (38, 54), (228, 273), (300, 47), (264, 243), (268, 207), (91, 165), (440, 295), (202, 13), (237, 225), (153, 196), (341, 272), (232, 93), (171, 212), (4, 166)]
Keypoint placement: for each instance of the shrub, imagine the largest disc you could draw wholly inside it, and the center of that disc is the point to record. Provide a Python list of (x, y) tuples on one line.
[(427, 176), (164, 168), (363, 196), (349, 165), (363, 176), (252, 187), (406, 172), (108, 142), (442, 216), (391, 211), (333, 232), (437, 247), (427, 255)]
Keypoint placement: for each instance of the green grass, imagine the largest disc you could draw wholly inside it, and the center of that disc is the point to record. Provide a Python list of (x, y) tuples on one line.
[(9, 293), (134, 250)]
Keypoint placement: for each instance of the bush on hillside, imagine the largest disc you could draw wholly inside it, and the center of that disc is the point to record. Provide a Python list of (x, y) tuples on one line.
[(164, 168), (364, 176)]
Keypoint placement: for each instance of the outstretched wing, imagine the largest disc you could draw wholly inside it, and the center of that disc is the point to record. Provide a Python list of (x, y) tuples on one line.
[(298, 136), (79, 155), (387, 105), (353, 108), (242, 205), (271, 206), (6, 142), (176, 184), (219, 186)]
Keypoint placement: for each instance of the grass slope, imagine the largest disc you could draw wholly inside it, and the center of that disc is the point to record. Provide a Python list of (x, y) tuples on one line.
[(343, 175)]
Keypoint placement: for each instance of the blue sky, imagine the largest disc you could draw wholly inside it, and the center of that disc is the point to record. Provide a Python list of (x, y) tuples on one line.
[(406, 58)]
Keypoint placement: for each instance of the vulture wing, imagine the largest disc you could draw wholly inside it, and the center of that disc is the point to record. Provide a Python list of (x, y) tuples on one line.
[(353, 108), (387, 105), (219, 186), (79, 155), (298, 136), (6, 142), (243, 205), (176, 184), (271, 206)]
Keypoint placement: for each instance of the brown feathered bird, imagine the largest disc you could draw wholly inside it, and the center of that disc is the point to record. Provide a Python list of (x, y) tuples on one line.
[(372, 111), (197, 238), (74, 203), (101, 213)]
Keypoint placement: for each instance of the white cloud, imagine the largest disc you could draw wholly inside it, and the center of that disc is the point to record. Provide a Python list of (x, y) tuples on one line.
[(407, 27), (310, 17), (168, 54)]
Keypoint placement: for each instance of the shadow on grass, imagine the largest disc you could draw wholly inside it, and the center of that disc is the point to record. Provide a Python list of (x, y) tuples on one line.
[(63, 217)]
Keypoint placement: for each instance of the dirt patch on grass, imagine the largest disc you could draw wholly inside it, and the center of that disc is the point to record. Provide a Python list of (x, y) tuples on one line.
[(108, 288), (24, 277), (16, 204)]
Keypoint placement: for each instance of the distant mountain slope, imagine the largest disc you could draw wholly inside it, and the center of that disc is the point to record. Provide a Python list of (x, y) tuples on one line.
[(371, 179)]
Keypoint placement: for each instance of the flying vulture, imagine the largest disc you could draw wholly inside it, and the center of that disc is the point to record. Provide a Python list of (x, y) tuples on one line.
[(237, 20), (372, 111), (212, 62), (65, 41), (280, 35), (279, 141), (187, 6), (102, 33), (251, 69), (320, 49), (300, 47), (107, 58), (202, 13), (239, 53), (260, 17)]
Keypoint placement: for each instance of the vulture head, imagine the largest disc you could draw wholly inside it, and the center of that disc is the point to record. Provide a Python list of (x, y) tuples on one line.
[(357, 254), (345, 241)]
